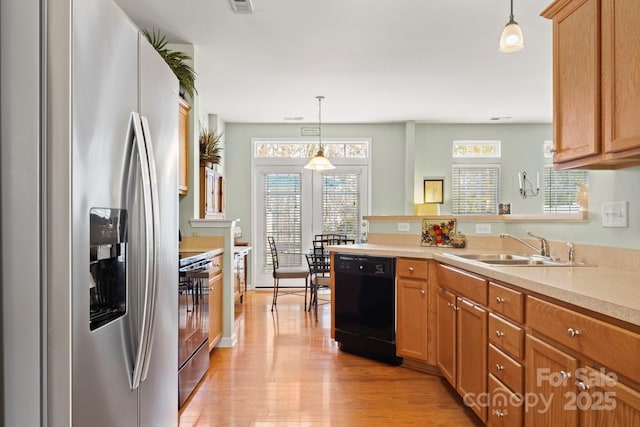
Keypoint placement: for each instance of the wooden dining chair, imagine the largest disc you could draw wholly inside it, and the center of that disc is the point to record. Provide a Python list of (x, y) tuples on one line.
[(285, 273)]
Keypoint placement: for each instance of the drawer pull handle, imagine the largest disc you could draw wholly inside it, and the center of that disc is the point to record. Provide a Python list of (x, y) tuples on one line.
[(499, 334), (499, 367), (411, 269), (565, 375), (498, 413), (573, 332), (449, 304), (499, 300), (422, 292), (582, 386)]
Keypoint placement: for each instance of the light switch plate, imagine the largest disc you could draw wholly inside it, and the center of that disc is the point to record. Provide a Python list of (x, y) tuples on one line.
[(483, 228), (615, 214), (403, 226)]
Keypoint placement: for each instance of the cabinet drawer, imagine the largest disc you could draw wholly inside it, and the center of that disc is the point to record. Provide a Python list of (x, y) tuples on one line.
[(216, 265), (463, 283), (414, 268), (505, 407), (614, 347), (506, 335), (505, 369), (507, 302)]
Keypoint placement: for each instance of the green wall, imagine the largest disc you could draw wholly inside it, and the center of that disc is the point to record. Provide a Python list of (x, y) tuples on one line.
[(395, 150)]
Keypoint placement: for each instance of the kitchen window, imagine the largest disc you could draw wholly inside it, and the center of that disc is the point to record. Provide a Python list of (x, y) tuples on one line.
[(565, 190), (475, 189)]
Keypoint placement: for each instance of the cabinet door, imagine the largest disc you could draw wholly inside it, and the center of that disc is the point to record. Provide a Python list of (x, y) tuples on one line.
[(446, 334), (550, 376), (604, 401), (472, 356), (215, 310), (183, 139), (412, 319), (621, 75), (576, 81)]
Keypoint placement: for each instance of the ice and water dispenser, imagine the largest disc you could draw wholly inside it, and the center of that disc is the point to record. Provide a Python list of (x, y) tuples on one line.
[(107, 265)]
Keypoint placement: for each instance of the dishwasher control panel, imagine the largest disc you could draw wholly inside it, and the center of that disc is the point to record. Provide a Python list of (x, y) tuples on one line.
[(369, 265)]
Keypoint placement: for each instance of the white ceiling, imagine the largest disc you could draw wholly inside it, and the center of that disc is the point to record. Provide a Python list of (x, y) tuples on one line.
[(375, 61)]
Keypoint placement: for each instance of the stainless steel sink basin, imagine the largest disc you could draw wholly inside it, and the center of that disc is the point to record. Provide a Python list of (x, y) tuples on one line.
[(513, 260)]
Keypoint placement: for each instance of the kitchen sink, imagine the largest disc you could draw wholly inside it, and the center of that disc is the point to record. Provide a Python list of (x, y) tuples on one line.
[(514, 260)]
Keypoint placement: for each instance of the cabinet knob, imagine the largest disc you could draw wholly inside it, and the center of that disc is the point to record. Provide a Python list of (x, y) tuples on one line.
[(411, 269), (582, 386), (573, 332), (449, 304), (499, 300), (422, 292), (565, 375), (499, 367), (499, 334)]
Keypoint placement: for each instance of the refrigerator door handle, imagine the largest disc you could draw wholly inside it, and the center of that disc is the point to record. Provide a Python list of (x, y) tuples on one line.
[(149, 244), (155, 220)]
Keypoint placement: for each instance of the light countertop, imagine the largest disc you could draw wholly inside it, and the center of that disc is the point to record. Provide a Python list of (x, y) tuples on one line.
[(611, 292)]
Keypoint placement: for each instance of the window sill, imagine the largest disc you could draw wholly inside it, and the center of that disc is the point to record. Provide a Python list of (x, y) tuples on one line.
[(549, 217)]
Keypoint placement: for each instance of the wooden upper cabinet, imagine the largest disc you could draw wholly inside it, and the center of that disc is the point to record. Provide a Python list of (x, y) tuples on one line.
[(183, 168), (596, 83), (621, 76)]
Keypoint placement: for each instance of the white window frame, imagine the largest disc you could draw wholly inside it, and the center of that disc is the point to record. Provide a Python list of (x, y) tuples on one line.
[(471, 155), (455, 166)]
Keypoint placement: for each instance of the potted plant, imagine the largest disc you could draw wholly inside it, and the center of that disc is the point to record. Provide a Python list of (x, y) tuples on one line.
[(210, 149), (176, 61)]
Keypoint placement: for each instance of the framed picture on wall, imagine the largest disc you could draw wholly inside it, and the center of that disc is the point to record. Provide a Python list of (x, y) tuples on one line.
[(433, 190)]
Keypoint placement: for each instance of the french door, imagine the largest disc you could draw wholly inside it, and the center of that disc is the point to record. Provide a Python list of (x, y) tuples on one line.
[(294, 204)]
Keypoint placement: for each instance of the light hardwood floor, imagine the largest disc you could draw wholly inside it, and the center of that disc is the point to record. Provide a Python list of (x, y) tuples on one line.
[(286, 371)]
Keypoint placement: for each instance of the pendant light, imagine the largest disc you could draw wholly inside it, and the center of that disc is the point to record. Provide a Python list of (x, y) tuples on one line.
[(319, 162), (511, 39)]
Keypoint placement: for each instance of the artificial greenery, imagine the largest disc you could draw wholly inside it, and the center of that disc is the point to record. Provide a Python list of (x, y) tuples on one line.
[(176, 61), (210, 149)]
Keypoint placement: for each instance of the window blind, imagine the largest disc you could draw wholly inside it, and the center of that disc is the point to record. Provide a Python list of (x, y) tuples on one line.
[(561, 189), (341, 204), (475, 189), (283, 218)]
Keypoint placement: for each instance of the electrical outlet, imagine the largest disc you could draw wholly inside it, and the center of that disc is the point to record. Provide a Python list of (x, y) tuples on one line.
[(403, 226), (483, 228)]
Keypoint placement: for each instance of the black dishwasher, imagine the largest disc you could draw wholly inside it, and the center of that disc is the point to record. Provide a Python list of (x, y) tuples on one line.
[(365, 306)]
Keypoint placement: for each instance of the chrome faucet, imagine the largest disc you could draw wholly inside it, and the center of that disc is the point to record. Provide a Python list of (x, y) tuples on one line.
[(544, 245), (572, 253)]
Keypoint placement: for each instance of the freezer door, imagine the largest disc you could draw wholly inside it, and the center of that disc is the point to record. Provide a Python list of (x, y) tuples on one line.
[(105, 88), (159, 110)]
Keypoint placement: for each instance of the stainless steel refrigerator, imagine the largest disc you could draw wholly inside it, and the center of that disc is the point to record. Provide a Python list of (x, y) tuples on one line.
[(123, 223)]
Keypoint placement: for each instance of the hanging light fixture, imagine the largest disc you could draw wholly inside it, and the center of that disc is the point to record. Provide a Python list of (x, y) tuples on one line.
[(319, 162), (511, 39)]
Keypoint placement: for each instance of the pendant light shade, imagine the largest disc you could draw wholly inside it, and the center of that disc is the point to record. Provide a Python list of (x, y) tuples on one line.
[(512, 39), (319, 162)]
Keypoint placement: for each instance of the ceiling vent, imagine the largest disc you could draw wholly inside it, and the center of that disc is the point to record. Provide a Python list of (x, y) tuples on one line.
[(241, 6)]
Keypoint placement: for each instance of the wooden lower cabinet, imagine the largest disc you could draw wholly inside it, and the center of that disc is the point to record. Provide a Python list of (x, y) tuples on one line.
[(471, 355), (461, 353), (446, 334), (412, 331), (550, 378), (240, 276), (604, 400), (215, 302)]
